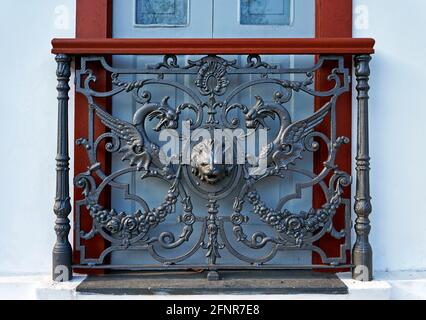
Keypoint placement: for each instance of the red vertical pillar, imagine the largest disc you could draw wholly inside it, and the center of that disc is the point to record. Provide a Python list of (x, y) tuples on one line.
[(333, 19), (93, 20)]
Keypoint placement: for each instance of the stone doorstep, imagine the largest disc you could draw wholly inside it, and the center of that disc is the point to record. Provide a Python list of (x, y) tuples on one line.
[(386, 287), (231, 282), (374, 290)]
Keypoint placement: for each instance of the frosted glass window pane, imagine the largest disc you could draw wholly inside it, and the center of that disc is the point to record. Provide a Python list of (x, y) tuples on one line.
[(265, 12), (161, 12)]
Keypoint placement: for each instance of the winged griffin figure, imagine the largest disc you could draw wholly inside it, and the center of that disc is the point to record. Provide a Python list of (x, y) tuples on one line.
[(291, 140), (132, 140)]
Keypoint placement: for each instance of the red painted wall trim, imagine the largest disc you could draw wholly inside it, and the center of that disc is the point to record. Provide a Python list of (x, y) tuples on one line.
[(93, 20), (334, 20), (213, 46)]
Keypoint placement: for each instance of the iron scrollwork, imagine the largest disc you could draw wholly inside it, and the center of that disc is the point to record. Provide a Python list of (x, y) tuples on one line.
[(211, 102)]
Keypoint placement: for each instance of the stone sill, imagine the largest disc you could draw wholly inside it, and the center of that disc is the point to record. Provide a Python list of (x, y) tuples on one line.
[(387, 285)]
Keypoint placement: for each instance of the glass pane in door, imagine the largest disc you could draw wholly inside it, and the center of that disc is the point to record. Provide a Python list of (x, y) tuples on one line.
[(172, 13), (266, 12)]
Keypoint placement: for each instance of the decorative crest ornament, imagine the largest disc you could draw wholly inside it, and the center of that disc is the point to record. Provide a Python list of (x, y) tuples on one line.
[(212, 75)]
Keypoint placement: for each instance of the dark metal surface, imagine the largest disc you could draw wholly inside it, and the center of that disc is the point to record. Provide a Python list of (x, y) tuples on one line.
[(213, 105), (362, 252), (62, 252), (231, 282)]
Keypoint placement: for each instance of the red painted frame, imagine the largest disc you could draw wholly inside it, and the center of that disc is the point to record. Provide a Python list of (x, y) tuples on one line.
[(93, 20), (93, 46), (93, 33), (333, 19)]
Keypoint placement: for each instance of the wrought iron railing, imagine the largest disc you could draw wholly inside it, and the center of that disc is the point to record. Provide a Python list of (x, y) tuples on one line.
[(212, 103)]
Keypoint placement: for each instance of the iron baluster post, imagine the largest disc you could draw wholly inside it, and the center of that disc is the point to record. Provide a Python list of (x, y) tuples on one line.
[(62, 252), (362, 253)]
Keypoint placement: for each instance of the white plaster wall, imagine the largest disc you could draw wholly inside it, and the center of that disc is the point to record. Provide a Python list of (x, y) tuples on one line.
[(28, 131), (28, 115), (398, 130)]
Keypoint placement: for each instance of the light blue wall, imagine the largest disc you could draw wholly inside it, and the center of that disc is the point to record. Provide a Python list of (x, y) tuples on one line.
[(397, 130), (28, 117)]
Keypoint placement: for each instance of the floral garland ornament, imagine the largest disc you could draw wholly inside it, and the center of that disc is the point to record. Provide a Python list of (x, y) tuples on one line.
[(128, 227), (298, 226)]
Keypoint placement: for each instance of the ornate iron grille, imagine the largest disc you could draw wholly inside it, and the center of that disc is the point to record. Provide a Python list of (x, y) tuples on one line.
[(211, 102)]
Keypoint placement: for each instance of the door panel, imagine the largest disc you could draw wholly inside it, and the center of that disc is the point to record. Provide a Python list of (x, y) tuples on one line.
[(264, 19), (162, 13), (274, 19), (219, 19), (266, 12)]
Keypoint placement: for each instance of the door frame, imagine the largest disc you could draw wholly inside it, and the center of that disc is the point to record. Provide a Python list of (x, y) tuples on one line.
[(333, 19)]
